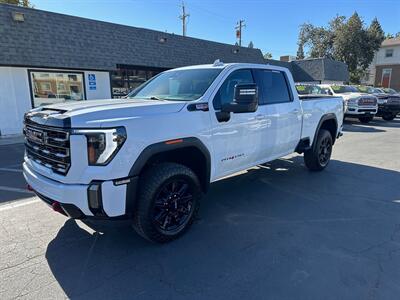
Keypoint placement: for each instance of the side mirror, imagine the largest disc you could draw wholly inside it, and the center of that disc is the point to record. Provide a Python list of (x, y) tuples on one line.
[(245, 99)]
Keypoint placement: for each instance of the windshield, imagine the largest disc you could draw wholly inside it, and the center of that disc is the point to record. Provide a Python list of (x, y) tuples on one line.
[(390, 91), (310, 90), (178, 85), (367, 89), (340, 89)]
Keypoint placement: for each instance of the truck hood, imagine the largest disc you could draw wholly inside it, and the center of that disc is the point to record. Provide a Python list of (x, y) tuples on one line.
[(348, 96), (100, 113)]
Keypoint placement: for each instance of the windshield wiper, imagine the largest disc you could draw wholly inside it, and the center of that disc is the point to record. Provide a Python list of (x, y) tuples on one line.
[(154, 98)]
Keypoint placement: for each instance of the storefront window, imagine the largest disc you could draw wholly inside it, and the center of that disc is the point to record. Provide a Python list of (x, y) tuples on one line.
[(127, 78), (56, 87)]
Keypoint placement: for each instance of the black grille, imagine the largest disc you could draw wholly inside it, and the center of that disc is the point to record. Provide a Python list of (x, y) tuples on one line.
[(49, 147), (393, 100)]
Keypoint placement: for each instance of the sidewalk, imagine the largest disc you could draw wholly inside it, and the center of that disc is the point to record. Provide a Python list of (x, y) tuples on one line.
[(11, 139)]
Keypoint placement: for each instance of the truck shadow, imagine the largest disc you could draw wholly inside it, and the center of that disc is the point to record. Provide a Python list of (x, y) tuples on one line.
[(378, 122), (269, 228), (354, 126), (375, 125)]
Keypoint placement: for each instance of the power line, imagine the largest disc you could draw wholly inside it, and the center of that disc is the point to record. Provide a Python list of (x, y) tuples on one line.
[(183, 17)]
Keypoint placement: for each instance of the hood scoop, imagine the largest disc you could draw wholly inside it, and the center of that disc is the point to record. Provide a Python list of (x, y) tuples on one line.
[(48, 117)]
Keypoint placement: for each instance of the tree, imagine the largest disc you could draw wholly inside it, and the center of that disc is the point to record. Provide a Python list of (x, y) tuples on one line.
[(300, 52), (346, 40), (24, 3), (251, 45), (317, 39), (392, 36), (268, 55)]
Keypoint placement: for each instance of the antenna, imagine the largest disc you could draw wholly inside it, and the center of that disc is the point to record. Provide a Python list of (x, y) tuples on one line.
[(183, 17)]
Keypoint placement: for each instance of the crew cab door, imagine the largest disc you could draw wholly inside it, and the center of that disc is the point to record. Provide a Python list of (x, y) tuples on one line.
[(282, 112), (236, 137)]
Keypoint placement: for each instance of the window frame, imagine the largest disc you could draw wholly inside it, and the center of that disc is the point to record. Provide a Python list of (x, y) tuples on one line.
[(31, 91), (223, 82), (391, 51), (259, 81)]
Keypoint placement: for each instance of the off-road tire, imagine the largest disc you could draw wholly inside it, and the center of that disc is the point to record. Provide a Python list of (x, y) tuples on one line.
[(151, 184), (313, 157), (388, 117)]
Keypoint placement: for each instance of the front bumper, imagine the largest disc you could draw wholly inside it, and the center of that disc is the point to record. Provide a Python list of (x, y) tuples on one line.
[(360, 110), (388, 108), (99, 199)]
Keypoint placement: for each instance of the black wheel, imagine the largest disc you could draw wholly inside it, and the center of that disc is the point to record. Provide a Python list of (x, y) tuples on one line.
[(366, 119), (168, 201), (318, 157), (388, 117)]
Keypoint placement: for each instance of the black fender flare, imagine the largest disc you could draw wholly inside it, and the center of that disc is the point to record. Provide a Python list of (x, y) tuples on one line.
[(326, 117), (170, 145)]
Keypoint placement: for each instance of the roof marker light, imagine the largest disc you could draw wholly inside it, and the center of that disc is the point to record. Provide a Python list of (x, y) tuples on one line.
[(218, 63), (174, 141)]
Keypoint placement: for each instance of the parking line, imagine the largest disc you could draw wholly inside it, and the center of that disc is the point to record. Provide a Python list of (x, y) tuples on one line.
[(18, 190), (12, 205), (11, 170)]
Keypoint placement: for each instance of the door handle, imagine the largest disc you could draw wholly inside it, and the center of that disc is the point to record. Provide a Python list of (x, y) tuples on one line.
[(260, 117), (295, 111)]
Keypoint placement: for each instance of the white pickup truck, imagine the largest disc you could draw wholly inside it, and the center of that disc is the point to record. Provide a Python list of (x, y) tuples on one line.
[(356, 104), (150, 157)]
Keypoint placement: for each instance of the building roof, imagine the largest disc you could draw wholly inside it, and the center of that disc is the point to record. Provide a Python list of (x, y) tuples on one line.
[(318, 69), (391, 42), (47, 39)]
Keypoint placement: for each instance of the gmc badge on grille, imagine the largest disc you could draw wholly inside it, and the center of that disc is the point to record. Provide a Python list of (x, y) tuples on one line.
[(35, 135)]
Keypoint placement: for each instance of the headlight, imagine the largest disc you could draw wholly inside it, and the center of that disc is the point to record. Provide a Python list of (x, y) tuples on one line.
[(382, 101), (102, 144), (353, 101)]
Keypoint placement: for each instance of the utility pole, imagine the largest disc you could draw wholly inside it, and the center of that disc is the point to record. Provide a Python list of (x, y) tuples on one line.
[(238, 28), (183, 17)]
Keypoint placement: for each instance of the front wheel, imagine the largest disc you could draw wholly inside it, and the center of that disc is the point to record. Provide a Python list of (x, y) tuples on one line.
[(388, 117), (318, 157), (168, 201), (365, 119)]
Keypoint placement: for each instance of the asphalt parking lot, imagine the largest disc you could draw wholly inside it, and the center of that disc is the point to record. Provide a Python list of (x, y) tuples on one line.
[(275, 232)]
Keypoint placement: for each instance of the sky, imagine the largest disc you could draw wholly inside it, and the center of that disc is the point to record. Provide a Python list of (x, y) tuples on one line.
[(272, 26)]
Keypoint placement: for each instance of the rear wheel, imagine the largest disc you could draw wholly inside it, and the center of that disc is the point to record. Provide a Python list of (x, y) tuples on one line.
[(366, 119), (168, 202), (388, 117), (318, 157)]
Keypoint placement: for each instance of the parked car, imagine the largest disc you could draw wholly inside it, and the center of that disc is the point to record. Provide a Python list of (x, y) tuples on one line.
[(388, 104), (150, 157), (310, 89), (390, 91), (359, 105)]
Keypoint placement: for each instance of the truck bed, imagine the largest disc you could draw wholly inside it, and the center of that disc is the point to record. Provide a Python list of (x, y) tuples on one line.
[(314, 107)]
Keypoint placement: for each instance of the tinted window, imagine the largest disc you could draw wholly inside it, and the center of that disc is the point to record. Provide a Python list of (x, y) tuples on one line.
[(226, 91), (274, 87)]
